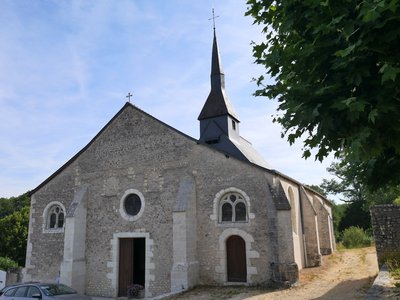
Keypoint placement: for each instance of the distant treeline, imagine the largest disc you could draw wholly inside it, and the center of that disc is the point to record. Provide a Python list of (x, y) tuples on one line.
[(14, 222)]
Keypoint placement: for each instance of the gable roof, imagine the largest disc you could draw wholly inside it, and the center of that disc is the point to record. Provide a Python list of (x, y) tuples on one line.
[(251, 154), (129, 105), (71, 160)]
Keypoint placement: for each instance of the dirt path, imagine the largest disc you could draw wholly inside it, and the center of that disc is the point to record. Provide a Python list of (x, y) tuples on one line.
[(344, 275)]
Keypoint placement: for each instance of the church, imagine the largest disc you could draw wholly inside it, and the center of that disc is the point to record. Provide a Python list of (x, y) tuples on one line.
[(147, 204)]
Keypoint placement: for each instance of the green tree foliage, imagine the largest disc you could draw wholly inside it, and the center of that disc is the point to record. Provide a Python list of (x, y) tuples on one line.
[(349, 184), (336, 66), (355, 214), (14, 222), (14, 234), (355, 237), (6, 263), (357, 196), (338, 212), (10, 205)]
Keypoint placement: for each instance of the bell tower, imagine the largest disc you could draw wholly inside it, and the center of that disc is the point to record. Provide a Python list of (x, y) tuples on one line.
[(218, 117), (219, 123)]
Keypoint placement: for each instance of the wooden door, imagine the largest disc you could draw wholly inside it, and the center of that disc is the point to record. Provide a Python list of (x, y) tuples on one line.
[(126, 257), (236, 259)]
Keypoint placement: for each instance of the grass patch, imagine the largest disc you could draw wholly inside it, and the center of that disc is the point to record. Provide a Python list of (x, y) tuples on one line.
[(335, 257), (363, 256), (340, 247), (395, 274), (392, 261)]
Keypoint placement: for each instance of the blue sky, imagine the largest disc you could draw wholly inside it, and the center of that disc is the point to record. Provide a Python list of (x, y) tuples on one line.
[(66, 67)]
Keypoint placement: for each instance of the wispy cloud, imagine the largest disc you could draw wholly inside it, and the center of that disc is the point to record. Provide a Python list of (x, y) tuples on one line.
[(66, 67)]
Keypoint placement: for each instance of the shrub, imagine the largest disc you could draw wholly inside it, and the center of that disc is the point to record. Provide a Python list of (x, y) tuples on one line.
[(355, 237), (392, 261), (6, 263)]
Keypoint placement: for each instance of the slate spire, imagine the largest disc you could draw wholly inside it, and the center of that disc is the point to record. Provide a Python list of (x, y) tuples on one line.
[(217, 75), (217, 103)]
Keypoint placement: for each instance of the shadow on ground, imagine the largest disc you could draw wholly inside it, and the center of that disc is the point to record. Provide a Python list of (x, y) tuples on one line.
[(348, 287), (342, 290)]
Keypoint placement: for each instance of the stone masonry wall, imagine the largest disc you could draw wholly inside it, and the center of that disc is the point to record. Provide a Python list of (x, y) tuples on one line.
[(266, 241), (137, 152), (45, 249), (324, 231), (310, 231), (134, 152), (386, 226)]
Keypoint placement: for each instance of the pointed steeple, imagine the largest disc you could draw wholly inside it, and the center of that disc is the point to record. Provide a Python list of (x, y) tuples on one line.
[(217, 75), (217, 103), (219, 123)]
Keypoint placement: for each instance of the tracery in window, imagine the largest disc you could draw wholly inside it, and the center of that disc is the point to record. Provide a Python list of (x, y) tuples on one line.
[(55, 217), (233, 208)]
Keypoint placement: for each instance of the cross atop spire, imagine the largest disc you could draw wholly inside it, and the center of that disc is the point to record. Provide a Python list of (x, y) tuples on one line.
[(213, 18), (217, 103)]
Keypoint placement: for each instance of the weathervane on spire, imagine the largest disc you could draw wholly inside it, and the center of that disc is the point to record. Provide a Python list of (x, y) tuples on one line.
[(213, 18)]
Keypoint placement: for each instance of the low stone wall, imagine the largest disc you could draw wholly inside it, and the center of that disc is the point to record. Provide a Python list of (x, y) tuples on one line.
[(386, 226), (383, 287), (14, 275)]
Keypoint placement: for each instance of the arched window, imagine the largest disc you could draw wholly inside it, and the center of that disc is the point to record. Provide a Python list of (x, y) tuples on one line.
[(233, 208), (240, 211), (55, 217), (226, 212)]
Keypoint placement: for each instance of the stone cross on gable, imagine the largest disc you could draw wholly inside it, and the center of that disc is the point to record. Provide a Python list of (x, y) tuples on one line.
[(129, 97)]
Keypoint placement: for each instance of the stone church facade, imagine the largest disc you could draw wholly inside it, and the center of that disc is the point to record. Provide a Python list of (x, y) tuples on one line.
[(144, 203)]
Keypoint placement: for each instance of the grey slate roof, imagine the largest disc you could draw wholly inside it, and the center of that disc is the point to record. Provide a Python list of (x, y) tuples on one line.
[(250, 153), (217, 103), (218, 106)]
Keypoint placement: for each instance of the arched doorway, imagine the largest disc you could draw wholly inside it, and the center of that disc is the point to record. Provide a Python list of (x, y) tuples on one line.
[(236, 259)]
